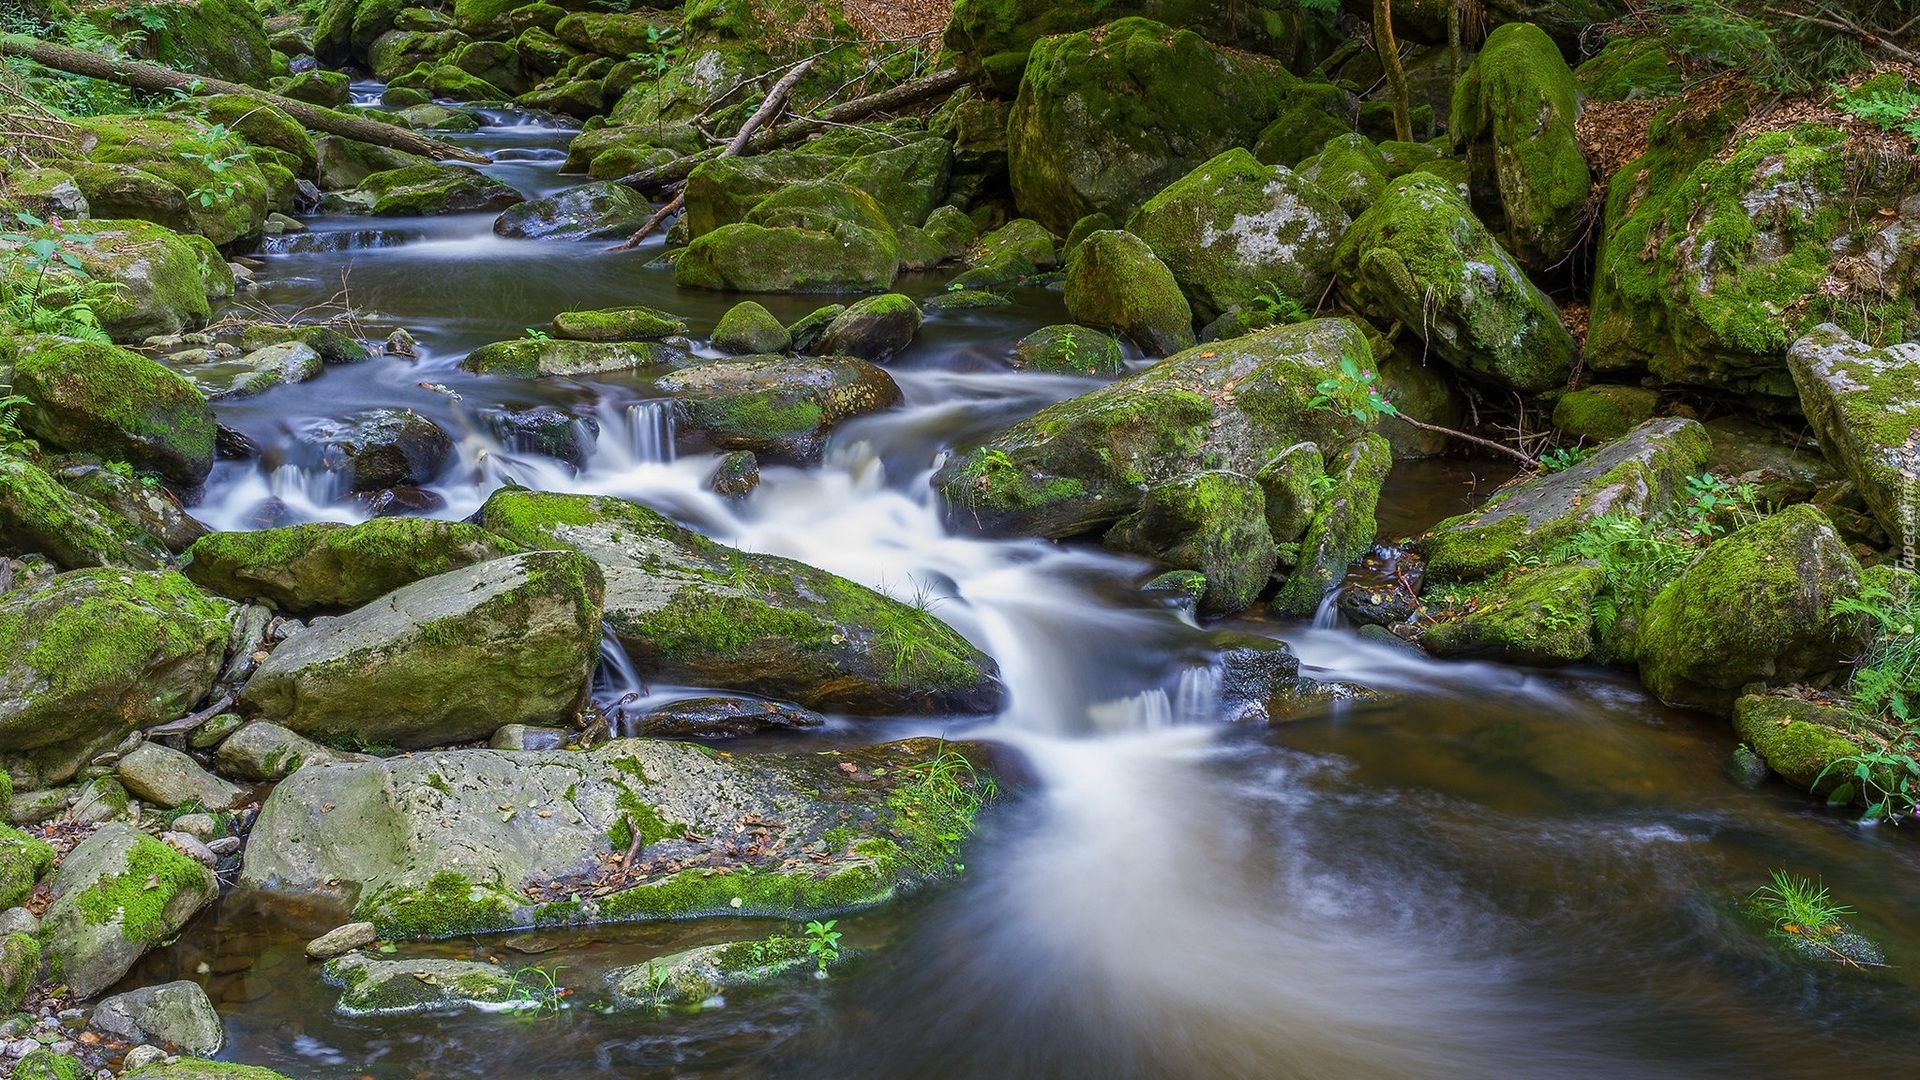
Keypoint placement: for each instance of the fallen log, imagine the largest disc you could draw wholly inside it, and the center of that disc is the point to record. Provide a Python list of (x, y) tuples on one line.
[(156, 78), (797, 129)]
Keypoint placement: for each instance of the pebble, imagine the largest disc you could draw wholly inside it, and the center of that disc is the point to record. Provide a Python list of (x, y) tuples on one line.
[(201, 827), (74, 1019), (19, 1048), (226, 845), (192, 847)]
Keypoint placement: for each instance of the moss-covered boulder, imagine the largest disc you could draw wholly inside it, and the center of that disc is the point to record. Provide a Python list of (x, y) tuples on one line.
[(45, 1063), (24, 860), (1213, 522), (691, 976), (118, 894), (327, 89), (1712, 264), (1604, 412), (445, 659), (691, 611), (749, 328), (1105, 119), (98, 653), (1066, 349), (778, 407), (1086, 462), (531, 358), (221, 39), (1234, 229), (1513, 116), (873, 329), (259, 122), (220, 191), (1537, 616), (722, 191), (44, 192), (1351, 169), (39, 515), (1313, 112), (383, 987), (329, 566), (470, 841), (1341, 528), (193, 1068), (1420, 257), (165, 280), (602, 211), (1628, 68), (1864, 405), (344, 163), (103, 399), (1116, 282), (1756, 607), (1797, 739), (19, 963), (1641, 474), (418, 190), (634, 323), (749, 257)]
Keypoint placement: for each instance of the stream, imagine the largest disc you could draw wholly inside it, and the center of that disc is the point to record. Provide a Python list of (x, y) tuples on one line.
[(1491, 872)]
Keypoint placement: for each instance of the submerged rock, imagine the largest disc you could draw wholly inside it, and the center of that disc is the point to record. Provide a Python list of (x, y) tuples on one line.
[(118, 894), (719, 718), (778, 407), (693, 975), (416, 985), (1800, 740), (482, 840), (327, 565)]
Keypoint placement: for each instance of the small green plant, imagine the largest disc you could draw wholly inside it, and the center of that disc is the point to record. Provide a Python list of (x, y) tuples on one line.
[(662, 52), (1277, 306), (1561, 460), (1353, 391), (1886, 778), (1713, 500), (1888, 110), (44, 288), (1886, 677), (1322, 485), (215, 150), (1799, 908), (937, 805), (536, 992), (823, 944), (534, 333), (1636, 557)]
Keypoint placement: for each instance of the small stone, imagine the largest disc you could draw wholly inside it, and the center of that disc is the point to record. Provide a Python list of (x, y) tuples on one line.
[(18, 920), (192, 846), (528, 737), (201, 827), (170, 778), (226, 845), (278, 223), (400, 343), (176, 1012), (72, 1019), (142, 1056), (342, 939)]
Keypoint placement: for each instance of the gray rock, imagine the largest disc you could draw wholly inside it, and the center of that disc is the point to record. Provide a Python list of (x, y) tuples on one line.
[(403, 986), (523, 737), (873, 329), (191, 846), (380, 448), (142, 1056), (603, 211), (720, 718), (201, 827), (18, 920), (257, 372), (100, 799), (1864, 407), (779, 407), (263, 750), (175, 1012), (693, 975), (168, 778), (342, 939), (118, 894)]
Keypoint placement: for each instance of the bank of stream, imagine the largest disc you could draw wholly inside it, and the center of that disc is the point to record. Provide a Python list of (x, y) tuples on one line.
[(1490, 871)]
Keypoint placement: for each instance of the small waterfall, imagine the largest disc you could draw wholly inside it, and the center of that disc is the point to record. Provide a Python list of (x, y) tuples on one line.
[(650, 435), (1327, 616), (615, 678), (303, 488), (1195, 699)]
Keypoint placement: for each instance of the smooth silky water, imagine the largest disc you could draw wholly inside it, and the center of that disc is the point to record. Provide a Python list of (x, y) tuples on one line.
[(1490, 873)]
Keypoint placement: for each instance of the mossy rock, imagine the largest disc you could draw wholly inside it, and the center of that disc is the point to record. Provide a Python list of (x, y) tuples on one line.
[(176, 150), (48, 1064), (749, 328), (24, 860), (692, 611), (333, 346), (434, 189), (722, 191), (1213, 522), (691, 976), (103, 399), (1351, 169), (1419, 390), (193, 1068), (220, 39), (260, 123), (1115, 281), (1604, 412), (531, 358), (610, 34), (1627, 69), (1513, 113), (344, 163), (1798, 739), (19, 963), (1068, 350), (872, 329), (907, 182), (1342, 527), (40, 515), (445, 659), (636, 323), (118, 894), (756, 259), (1862, 405), (166, 280), (1641, 474), (1103, 120), (1420, 257), (1312, 114), (1756, 607), (385, 987), (329, 566), (779, 407), (1021, 241), (1537, 616), (431, 117), (1084, 463), (602, 211), (327, 89)]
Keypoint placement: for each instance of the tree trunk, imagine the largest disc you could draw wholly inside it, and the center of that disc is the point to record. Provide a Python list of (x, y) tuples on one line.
[(1389, 50), (154, 77)]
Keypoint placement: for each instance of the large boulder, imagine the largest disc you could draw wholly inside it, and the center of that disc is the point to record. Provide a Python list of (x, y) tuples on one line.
[(1088, 461), (1513, 114), (165, 280), (1340, 529), (151, 507), (690, 611), (177, 171), (1756, 607), (1542, 615), (1234, 229), (1105, 119), (445, 659), (432, 189), (873, 329), (779, 407), (1641, 474), (603, 211), (1420, 257), (221, 39), (99, 653), (468, 841), (329, 566), (1864, 405), (808, 236), (38, 514), (722, 191), (120, 405), (118, 894), (1116, 282)]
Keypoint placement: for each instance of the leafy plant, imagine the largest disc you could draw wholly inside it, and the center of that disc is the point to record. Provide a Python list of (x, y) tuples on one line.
[(534, 333), (1353, 391), (1886, 677), (938, 804), (823, 944), (536, 992), (215, 150), (1788, 46), (1560, 460), (662, 52), (1636, 557), (1799, 907), (1274, 302), (1888, 110), (44, 287), (1714, 499), (1886, 778)]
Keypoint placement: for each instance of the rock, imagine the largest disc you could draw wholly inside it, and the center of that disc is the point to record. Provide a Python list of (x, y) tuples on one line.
[(445, 659), (1513, 114), (1538, 616), (1114, 280), (872, 329), (327, 89), (1213, 522), (258, 371), (531, 358), (693, 975), (44, 193), (328, 566), (748, 328), (1419, 390), (433, 189), (260, 122), (154, 167), (103, 399), (1756, 607), (1604, 412), (603, 211), (722, 191), (907, 182), (1068, 350), (191, 847), (177, 1012), (24, 859), (737, 475), (168, 778), (1863, 407), (1234, 229), (681, 607), (48, 1063), (1086, 462), (1252, 670), (37, 514), (1021, 240), (201, 827), (222, 39), (190, 1068), (1420, 257), (719, 718), (523, 737), (430, 117), (344, 163), (472, 830), (1350, 169), (118, 894), (807, 329), (1341, 528), (1105, 119), (402, 986), (380, 448), (809, 236), (1797, 739), (100, 653), (778, 407), (1641, 474), (19, 962), (262, 750), (635, 323), (342, 939), (101, 800), (139, 1057), (544, 429), (334, 347), (1312, 114)]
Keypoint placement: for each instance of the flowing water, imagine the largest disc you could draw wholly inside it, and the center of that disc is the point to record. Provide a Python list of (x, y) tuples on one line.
[(1491, 872)]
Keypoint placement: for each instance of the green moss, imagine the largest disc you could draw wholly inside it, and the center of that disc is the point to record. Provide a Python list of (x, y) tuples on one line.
[(1115, 280), (617, 324), (128, 899), (691, 893), (46, 1065), (449, 906), (1069, 350), (23, 859), (329, 565), (102, 399), (193, 1068), (1601, 413), (1797, 739), (1628, 68), (1542, 615), (19, 960)]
